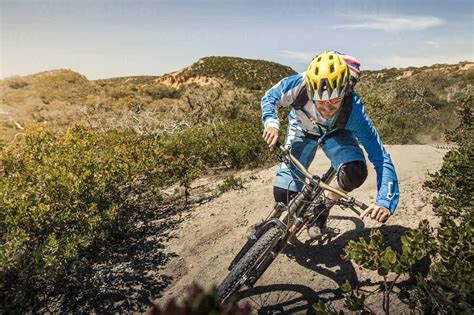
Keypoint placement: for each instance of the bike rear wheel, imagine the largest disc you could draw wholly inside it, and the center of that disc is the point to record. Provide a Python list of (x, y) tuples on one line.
[(233, 282)]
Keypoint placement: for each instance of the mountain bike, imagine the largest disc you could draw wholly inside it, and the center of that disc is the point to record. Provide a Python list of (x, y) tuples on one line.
[(273, 234)]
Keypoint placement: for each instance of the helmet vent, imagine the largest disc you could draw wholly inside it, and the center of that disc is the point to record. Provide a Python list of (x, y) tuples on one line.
[(319, 58), (331, 68), (330, 57), (316, 71), (324, 86), (334, 82)]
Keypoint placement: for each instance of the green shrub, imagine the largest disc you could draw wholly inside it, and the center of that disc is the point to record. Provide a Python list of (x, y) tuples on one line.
[(159, 91), (451, 287), (398, 122), (16, 83), (63, 194), (231, 183), (378, 256), (119, 92)]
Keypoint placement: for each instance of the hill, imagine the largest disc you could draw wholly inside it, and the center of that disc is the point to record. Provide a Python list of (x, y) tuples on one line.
[(415, 105), (60, 97), (246, 73), (411, 105), (49, 96)]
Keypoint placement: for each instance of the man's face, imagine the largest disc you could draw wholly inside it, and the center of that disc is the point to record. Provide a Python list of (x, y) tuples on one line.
[(328, 108)]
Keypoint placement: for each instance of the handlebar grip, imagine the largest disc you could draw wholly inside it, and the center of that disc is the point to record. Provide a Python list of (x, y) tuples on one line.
[(361, 205), (277, 146), (356, 211)]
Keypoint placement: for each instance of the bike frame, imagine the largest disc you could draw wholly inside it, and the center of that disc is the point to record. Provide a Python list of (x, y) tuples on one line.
[(320, 182), (297, 209)]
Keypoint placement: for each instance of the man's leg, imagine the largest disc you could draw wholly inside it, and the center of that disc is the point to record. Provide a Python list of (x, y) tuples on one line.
[(350, 176), (304, 150), (289, 181), (347, 158), (283, 195)]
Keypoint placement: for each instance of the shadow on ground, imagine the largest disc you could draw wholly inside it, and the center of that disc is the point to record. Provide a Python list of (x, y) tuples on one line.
[(124, 277), (320, 256)]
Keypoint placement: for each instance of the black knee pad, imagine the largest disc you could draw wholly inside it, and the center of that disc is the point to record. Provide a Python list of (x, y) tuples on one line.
[(352, 175), (283, 195)]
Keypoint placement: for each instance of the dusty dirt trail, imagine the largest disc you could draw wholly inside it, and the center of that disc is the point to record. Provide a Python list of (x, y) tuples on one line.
[(210, 236)]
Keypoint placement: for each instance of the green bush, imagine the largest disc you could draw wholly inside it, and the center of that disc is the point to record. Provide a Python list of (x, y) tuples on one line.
[(231, 183), (119, 92), (378, 256), (64, 195), (16, 83), (398, 122), (159, 91), (414, 101), (451, 286)]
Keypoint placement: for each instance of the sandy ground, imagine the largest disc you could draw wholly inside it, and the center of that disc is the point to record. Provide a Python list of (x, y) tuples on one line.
[(208, 238)]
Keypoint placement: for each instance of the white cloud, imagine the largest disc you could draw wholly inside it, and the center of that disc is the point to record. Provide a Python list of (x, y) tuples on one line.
[(393, 23), (419, 61), (299, 56)]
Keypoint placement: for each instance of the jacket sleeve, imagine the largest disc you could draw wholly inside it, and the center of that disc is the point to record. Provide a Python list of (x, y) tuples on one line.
[(387, 182), (283, 93)]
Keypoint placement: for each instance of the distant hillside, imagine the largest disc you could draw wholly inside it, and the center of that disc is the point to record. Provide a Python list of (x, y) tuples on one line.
[(56, 85), (416, 104), (50, 96), (403, 103), (247, 73), (444, 82), (60, 97)]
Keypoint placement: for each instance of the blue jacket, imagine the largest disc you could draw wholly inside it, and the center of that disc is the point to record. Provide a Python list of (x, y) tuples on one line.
[(284, 93)]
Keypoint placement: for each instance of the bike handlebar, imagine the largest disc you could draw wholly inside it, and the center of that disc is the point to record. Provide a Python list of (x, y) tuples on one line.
[(310, 177)]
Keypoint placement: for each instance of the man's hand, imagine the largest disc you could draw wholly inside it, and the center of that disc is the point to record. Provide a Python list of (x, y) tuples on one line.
[(271, 135), (377, 213)]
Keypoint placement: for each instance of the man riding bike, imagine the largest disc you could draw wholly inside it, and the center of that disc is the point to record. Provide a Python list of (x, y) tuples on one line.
[(326, 111)]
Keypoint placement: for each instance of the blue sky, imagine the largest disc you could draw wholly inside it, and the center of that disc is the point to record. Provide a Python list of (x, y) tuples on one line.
[(102, 39)]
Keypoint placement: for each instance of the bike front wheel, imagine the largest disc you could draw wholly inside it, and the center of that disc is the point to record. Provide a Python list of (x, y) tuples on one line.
[(247, 264)]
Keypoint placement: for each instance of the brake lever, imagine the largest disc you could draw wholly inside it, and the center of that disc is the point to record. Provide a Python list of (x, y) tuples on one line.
[(280, 152), (349, 203)]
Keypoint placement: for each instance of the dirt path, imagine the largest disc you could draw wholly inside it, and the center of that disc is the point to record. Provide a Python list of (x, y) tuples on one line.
[(210, 236)]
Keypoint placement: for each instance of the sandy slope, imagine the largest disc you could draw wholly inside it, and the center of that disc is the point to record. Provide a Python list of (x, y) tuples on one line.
[(212, 234)]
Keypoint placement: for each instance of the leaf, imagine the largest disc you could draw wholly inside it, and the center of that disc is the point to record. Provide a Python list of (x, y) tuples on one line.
[(390, 256), (382, 271), (346, 287), (403, 295)]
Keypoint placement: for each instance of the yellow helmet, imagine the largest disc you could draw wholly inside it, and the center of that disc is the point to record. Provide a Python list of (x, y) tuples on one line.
[(327, 77)]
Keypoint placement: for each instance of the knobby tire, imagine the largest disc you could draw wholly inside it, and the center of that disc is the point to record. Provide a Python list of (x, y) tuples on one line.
[(245, 265)]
